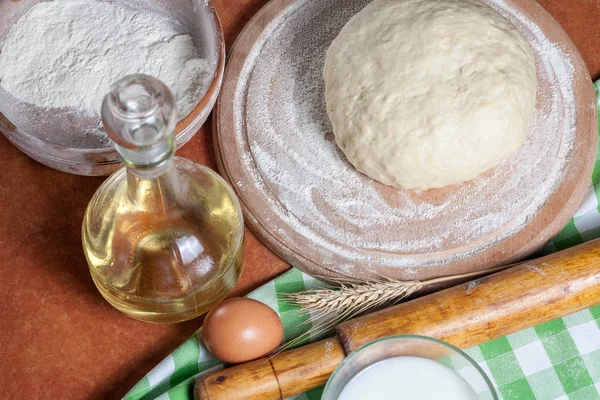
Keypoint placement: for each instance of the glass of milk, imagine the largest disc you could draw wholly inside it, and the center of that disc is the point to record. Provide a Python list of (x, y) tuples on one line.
[(409, 367)]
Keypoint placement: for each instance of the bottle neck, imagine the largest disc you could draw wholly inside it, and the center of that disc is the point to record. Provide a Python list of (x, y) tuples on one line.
[(146, 160), (140, 116), (154, 189)]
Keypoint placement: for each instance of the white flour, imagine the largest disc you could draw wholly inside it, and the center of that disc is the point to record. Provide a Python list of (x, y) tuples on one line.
[(331, 212), (67, 53)]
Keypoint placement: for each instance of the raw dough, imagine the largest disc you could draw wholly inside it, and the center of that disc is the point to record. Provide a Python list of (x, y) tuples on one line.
[(425, 93)]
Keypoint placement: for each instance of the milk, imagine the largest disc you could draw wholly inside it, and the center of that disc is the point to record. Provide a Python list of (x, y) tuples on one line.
[(410, 378)]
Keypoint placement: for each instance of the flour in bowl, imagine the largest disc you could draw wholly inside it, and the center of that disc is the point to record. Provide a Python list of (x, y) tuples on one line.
[(65, 54)]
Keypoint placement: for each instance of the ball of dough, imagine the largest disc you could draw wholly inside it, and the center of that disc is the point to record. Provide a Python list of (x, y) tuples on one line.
[(425, 93)]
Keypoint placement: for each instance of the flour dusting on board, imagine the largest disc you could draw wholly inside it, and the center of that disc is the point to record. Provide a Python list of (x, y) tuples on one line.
[(281, 118)]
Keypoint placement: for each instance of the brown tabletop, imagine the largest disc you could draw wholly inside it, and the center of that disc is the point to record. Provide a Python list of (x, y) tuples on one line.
[(59, 339)]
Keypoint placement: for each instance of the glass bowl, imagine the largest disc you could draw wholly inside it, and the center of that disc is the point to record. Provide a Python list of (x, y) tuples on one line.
[(411, 346), (61, 139)]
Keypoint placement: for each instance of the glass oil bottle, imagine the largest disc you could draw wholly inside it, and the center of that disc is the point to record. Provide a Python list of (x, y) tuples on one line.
[(163, 236)]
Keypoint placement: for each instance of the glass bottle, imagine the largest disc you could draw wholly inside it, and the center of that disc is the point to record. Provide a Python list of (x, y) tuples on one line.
[(163, 236)]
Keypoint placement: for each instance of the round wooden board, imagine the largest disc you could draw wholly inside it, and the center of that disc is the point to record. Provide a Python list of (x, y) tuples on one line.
[(302, 198)]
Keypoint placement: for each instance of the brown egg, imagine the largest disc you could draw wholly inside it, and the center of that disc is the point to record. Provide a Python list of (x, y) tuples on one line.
[(240, 330)]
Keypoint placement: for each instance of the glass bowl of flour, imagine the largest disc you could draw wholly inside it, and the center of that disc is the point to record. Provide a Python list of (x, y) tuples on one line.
[(58, 59)]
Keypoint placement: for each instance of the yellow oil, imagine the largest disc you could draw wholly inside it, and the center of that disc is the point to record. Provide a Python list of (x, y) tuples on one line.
[(164, 249)]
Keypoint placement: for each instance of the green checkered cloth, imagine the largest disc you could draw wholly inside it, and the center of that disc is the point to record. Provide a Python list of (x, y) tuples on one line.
[(556, 360)]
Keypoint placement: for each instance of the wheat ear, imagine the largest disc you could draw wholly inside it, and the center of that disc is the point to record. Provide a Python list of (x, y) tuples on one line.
[(329, 306)]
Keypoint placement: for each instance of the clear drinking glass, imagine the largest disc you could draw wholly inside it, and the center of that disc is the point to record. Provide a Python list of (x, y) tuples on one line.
[(410, 346)]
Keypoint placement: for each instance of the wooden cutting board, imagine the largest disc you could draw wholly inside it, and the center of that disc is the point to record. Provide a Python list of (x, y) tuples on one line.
[(302, 198)]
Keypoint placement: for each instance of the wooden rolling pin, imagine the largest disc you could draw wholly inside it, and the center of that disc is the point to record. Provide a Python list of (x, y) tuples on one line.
[(520, 297)]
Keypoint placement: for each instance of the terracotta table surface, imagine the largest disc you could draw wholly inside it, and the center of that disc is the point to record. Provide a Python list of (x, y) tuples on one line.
[(59, 339)]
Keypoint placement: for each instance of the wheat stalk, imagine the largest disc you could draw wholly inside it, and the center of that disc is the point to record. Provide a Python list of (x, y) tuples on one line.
[(352, 297), (329, 306)]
